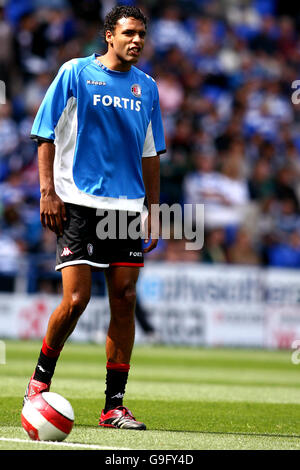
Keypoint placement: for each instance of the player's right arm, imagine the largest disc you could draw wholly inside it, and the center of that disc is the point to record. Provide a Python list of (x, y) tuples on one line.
[(52, 208), (63, 87)]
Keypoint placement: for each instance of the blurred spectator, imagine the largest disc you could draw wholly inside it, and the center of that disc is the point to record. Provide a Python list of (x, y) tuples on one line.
[(266, 38), (175, 250), (214, 246), (60, 25), (242, 250), (287, 37), (205, 34), (285, 185), (224, 194), (287, 253), (261, 183), (261, 120), (170, 92), (292, 160), (10, 255), (6, 50), (30, 45), (11, 190), (13, 226), (35, 90), (9, 138), (168, 31), (287, 218)]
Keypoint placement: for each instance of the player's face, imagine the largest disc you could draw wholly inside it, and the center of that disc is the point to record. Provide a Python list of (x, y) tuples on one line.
[(127, 39)]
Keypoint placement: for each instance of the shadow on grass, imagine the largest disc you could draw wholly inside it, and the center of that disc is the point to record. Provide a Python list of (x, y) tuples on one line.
[(217, 433)]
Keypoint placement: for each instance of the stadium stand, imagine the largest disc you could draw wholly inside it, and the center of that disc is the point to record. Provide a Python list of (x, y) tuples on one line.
[(225, 71)]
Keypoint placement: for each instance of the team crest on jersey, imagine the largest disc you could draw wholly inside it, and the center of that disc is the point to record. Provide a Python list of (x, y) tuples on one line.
[(136, 90), (90, 249)]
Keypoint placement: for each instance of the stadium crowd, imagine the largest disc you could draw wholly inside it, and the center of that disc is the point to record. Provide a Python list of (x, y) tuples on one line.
[(224, 70)]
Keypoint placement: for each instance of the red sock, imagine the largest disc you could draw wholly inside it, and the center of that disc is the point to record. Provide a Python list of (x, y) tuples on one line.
[(117, 366), (46, 363), (50, 352)]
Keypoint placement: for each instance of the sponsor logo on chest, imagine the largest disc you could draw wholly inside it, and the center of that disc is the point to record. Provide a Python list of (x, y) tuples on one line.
[(131, 104), (117, 102)]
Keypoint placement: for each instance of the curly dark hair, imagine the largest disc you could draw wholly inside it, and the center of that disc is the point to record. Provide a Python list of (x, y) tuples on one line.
[(122, 11)]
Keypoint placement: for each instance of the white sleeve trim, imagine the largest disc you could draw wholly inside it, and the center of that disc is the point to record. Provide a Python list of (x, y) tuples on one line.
[(149, 149)]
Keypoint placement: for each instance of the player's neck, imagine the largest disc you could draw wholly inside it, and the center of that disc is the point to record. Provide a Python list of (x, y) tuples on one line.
[(114, 63)]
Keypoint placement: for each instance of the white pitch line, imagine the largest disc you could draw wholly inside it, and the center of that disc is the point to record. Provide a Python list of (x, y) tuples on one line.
[(64, 444)]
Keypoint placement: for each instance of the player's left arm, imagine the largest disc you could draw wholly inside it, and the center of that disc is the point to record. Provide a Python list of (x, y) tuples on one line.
[(151, 177), (154, 146)]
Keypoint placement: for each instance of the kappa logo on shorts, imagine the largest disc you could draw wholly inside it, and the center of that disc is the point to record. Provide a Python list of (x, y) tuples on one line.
[(90, 249), (66, 252)]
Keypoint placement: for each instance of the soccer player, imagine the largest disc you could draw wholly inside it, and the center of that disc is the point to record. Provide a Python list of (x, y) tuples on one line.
[(99, 133)]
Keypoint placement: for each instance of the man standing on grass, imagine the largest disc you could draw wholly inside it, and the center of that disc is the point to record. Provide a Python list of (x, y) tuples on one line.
[(99, 134)]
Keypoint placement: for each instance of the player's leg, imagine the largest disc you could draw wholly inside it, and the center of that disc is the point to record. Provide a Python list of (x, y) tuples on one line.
[(76, 281), (121, 283)]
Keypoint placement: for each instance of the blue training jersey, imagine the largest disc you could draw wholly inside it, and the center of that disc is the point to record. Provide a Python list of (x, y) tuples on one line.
[(102, 123)]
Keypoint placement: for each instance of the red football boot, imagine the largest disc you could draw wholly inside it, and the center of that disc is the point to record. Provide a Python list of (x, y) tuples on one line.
[(35, 387), (120, 418)]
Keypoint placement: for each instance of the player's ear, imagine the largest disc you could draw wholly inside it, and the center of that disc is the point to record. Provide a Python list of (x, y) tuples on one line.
[(109, 36)]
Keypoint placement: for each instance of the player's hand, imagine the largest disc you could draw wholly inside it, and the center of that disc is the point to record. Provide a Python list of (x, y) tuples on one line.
[(151, 230), (52, 212)]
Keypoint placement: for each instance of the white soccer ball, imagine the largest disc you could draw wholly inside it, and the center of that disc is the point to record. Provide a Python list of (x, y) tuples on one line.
[(47, 416)]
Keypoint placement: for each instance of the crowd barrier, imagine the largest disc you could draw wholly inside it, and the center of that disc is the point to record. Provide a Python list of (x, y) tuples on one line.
[(189, 304)]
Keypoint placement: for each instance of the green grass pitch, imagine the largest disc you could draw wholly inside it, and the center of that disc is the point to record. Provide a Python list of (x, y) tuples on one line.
[(190, 398)]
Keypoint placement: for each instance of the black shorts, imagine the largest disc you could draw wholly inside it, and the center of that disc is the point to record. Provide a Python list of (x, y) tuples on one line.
[(83, 241)]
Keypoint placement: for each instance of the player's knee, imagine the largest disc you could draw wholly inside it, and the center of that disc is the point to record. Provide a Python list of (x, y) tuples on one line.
[(77, 304), (127, 293), (130, 297)]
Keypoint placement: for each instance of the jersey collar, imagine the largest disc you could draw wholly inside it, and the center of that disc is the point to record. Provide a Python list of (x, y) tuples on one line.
[(107, 70)]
